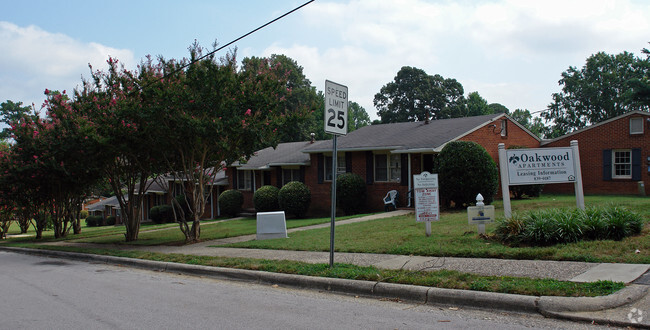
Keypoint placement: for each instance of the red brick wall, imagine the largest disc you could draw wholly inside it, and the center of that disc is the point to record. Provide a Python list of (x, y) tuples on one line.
[(592, 142)]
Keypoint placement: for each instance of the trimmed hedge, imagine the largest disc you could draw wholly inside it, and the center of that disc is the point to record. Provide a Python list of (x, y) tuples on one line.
[(110, 221), (161, 214), (465, 169), (265, 199), (557, 226), (230, 202), (351, 193), (94, 220), (295, 198)]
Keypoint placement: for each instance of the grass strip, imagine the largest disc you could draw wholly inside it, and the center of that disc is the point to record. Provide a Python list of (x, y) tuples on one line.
[(441, 278)]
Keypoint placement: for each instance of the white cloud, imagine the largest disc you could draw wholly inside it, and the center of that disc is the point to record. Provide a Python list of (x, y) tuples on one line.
[(33, 60), (512, 52)]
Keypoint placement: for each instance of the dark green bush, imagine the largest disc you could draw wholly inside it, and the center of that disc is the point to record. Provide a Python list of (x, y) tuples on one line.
[(183, 208), (294, 198), (94, 220), (110, 221), (83, 214), (161, 214), (465, 169), (265, 199), (230, 202), (555, 226), (350, 193)]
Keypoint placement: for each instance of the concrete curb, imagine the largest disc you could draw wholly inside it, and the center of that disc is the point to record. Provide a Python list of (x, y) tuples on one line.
[(630, 294), (547, 306)]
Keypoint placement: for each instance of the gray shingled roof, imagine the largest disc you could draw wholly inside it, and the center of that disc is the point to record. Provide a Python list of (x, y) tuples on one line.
[(99, 206), (289, 153), (405, 137)]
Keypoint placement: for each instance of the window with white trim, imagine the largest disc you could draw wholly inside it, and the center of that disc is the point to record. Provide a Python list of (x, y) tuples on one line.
[(388, 168), (340, 166), (289, 175), (636, 125), (621, 164), (244, 181)]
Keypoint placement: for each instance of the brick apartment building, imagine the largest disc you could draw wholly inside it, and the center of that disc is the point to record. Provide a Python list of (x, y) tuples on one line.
[(614, 155), (386, 156)]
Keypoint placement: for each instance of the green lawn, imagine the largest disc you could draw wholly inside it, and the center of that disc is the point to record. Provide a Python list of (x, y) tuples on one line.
[(453, 237)]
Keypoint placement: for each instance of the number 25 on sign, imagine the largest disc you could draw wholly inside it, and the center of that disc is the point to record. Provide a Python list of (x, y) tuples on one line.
[(336, 108)]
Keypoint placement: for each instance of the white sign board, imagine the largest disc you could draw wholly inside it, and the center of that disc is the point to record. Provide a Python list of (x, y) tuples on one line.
[(480, 214), (540, 166), (427, 205), (336, 108), (271, 225)]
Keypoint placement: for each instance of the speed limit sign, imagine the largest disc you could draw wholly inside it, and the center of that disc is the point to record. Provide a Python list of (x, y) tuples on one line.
[(336, 108)]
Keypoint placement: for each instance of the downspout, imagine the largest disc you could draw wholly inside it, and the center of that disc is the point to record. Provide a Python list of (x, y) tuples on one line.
[(410, 181)]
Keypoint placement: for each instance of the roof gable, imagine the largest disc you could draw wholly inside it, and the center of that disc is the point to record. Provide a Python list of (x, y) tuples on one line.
[(602, 123)]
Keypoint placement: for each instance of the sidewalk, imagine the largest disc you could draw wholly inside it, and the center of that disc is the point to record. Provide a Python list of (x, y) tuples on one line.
[(628, 307)]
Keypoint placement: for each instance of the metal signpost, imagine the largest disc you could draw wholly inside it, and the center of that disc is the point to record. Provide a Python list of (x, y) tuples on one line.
[(427, 204), (336, 123)]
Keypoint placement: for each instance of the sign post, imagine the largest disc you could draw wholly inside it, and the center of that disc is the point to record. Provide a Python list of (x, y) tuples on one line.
[(427, 205), (336, 123)]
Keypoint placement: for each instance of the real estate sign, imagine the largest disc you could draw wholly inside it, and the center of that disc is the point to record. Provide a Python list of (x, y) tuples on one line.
[(427, 204), (540, 166)]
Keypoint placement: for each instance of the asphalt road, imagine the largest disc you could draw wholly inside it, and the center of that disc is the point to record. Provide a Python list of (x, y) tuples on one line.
[(48, 293)]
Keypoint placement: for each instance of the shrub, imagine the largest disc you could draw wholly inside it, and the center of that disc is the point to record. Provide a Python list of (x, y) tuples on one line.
[(94, 220), (230, 202), (185, 211), (83, 214), (553, 226), (465, 169), (161, 214), (350, 193), (294, 198), (265, 199), (110, 221)]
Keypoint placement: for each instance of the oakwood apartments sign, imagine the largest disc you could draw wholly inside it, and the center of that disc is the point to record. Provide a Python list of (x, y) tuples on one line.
[(540, 166)]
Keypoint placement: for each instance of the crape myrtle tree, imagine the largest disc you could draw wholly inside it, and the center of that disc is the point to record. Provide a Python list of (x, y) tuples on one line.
[(214, 114), (121, 105), (51, 156)]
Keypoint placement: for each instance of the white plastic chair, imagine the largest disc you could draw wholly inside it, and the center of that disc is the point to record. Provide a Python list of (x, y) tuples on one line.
[(391, 199)]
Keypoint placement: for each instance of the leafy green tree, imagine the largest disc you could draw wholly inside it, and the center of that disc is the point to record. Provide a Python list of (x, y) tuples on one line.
[(498, 108), (476, 105), (641, 85), (301, 97), (214, 114), (122, 107), (534, 125), (11, 112), (357, 116), (414, 95), (601, 90)]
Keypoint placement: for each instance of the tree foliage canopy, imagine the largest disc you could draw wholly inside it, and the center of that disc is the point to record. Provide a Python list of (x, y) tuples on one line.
[(414, 95), (602, 89)]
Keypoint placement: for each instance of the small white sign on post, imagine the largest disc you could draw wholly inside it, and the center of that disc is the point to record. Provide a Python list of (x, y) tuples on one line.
[(271, 225), (427, 204), (480, 214)]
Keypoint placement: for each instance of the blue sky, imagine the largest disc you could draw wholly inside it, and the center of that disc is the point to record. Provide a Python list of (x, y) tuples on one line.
[(511, 51)]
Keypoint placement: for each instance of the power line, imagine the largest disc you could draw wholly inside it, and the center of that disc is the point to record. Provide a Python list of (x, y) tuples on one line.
[(240, 38)]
